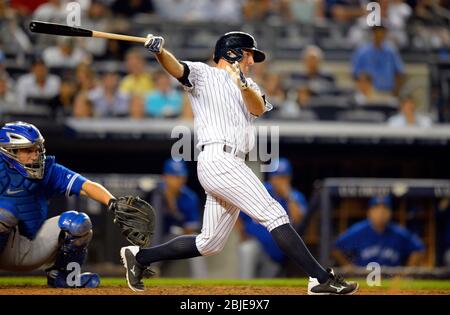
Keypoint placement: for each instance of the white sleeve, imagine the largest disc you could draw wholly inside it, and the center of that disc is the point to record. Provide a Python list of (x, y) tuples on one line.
[(196, 75)]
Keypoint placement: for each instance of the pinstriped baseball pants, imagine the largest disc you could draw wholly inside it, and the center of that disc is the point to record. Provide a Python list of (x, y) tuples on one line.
[(231, 186)]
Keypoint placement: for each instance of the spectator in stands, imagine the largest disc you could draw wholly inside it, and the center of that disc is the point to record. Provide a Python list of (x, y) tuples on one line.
[(65, 55), (257, 10), (165, 100), (366, 94), (7, 96), (138, 81), (297, 105), (51, 11), (96, 18), (106, 99), (85, 77), (174, 10), (26, 7), (130, 8), (345, 10), (62, 104), (137, 108), (273, 89), (12, 37), (379, 240), (408, 115), (38, 84), (395, 13), (303, 11), (381, 61), (201, 11), (3, 71), (82, 108), (312, 76), (259, 255), (178, 208), (430, 24)]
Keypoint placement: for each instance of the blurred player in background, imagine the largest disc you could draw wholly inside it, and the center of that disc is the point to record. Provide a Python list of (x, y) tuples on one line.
[(28, 240), (379, 240), (178, 209), (260, 257)]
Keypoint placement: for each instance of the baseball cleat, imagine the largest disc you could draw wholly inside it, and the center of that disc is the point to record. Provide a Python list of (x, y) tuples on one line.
[(335, 285), (134, 271)]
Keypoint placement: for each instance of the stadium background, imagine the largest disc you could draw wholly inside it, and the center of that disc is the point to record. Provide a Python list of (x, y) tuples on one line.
[(326, 140)]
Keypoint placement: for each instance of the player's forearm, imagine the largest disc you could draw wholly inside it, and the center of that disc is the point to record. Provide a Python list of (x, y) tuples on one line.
[(253, 101), (170, 63), (96, 192)]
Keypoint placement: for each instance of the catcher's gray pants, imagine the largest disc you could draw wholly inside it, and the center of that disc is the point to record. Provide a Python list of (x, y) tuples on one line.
[(22, 254), (231, 186)]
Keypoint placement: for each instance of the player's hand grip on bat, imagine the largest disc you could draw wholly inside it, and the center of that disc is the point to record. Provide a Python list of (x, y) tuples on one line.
[(237, 75), (135, 217), (154, 43)]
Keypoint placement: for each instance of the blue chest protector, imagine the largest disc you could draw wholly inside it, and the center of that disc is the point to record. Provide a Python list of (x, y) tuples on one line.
[(27, 198)]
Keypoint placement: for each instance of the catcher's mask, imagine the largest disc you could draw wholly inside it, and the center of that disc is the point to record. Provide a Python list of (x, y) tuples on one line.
[(20, 135), (230, 47)]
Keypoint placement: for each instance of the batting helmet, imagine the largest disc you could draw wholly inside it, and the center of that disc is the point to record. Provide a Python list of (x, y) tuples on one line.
[(230, 46)]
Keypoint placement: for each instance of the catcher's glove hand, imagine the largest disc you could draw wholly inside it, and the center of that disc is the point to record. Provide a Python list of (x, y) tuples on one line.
[(135, 217)]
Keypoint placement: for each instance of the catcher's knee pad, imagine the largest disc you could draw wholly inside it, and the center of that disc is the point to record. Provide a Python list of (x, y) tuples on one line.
[(7, 222), (76, 233), (78, 228)]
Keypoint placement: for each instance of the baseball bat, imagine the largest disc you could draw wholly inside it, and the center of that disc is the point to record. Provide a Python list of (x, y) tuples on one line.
[(65, 30)]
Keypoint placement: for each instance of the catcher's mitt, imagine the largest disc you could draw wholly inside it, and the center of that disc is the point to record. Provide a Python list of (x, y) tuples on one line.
[(135, 217)]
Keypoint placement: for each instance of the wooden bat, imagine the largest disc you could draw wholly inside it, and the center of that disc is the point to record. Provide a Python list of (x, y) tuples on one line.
[(65, 30)]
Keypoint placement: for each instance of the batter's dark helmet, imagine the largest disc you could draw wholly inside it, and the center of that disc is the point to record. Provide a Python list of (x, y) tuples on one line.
[(230, 45)]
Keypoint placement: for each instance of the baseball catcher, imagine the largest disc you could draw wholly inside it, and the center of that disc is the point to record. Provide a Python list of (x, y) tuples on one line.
[(28, 240)]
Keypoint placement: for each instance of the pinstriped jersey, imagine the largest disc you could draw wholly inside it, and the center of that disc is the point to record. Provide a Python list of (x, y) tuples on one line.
[(220, 114), (27, 198)]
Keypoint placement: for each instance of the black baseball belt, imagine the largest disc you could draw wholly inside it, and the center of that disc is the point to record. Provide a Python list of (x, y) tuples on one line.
[(229, 149)]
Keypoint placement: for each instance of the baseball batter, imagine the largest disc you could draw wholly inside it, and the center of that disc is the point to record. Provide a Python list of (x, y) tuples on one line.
[(225, 103)]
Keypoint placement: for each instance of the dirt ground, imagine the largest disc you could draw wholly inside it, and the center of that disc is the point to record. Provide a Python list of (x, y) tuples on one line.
[(198, 290)]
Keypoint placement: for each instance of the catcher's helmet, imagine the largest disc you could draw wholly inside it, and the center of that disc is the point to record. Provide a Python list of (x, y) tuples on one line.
[(230, 45), (20, 135)]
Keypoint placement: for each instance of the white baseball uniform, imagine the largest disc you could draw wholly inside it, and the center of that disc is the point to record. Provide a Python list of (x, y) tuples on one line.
[(222, 118)]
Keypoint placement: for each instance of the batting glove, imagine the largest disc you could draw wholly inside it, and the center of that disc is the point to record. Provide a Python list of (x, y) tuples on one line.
[(154, 43), (237, 75)]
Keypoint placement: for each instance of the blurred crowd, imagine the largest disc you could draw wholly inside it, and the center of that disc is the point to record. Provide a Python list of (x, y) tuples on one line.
[(79, 77)]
